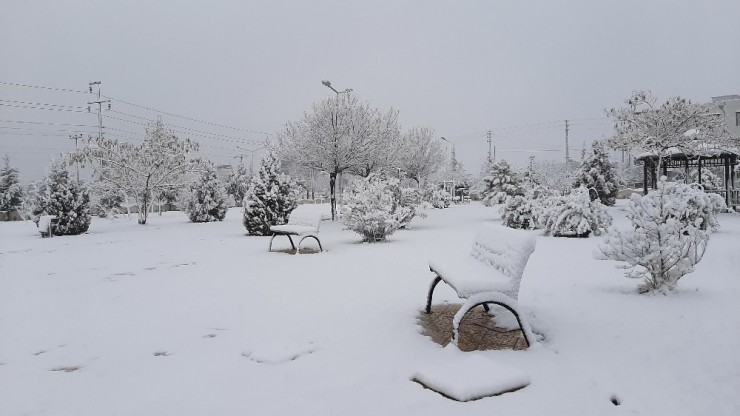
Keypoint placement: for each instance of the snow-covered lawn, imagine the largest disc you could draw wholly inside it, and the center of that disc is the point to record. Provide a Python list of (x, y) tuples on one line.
[(175, 318)]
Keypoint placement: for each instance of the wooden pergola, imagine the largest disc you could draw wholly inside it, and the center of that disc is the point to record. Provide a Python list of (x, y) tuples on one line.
[(679, 160)]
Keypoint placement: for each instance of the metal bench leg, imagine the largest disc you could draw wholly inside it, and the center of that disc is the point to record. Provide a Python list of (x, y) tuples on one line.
[(455, 328), (310, 236), (436, 280), (269, 248)]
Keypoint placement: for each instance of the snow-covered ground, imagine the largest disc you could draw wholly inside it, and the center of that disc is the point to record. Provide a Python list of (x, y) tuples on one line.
[(175, 318)]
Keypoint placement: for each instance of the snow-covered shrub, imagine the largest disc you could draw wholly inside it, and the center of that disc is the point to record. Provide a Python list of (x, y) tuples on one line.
[(270, 198), (516, 212), (573, 215), (709, 179), (372, 208), (65, 199), (411, 198), (11, 192), (598, 173), (437, 197), (205, 200), (499, 183), (668, 236), (105, 201)]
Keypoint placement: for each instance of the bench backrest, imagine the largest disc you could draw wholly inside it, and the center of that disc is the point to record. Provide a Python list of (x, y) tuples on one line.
[(305, 219), (506, 250)]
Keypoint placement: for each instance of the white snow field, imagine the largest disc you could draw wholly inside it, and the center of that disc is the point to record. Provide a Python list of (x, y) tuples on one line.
[(176, 318)]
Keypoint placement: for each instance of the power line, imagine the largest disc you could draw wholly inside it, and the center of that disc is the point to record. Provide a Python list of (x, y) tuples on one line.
[(48, 124), (15, 84), (43, 104), (185, 117), (44, 108)]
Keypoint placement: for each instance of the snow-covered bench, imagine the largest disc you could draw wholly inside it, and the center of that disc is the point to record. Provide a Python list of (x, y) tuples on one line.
[(302, 224), (490, 274), (45, 225)]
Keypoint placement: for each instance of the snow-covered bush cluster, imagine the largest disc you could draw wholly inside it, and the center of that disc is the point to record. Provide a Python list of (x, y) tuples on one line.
[(670, 231), (11, 192), (373, 208), (573, 215), (436, 197), (205, 199), (65, 199), (270, 198), (500, 182)]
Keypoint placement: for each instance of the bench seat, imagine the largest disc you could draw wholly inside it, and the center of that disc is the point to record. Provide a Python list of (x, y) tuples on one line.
[(470, 277)]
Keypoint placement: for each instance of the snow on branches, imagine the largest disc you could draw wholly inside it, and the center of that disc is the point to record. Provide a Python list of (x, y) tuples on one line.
[(270, 198), (342, 134), (421, 155), (142, 171), (675, 125), (670, 231)]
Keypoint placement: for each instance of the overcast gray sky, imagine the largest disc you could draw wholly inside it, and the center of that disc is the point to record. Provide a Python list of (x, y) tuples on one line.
[(519, 68)]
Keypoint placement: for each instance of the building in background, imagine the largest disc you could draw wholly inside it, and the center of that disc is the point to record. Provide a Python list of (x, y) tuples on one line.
[(729, 107)]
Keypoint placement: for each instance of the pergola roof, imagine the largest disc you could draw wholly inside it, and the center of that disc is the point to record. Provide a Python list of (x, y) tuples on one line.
[(677, 154)]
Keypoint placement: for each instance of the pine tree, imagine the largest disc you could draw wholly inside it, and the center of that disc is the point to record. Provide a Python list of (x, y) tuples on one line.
[(206, 199), (237, 184), (65, 199), (500, 182), (11, 192), (270, 198), (597, 173)]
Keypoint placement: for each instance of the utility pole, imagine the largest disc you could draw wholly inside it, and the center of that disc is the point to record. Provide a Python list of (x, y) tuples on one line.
[(76, 137), (490, 141), (100, 103), (567, 150)]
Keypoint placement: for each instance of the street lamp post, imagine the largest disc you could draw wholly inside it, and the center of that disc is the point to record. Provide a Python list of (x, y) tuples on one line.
[(328, 84), (452, 165), (346, 91)]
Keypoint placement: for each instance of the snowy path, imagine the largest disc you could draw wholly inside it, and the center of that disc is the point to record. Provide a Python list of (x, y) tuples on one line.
[(189, 319)]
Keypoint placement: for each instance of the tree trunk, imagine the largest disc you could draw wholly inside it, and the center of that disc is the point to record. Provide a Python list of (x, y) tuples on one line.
[(333, 195)]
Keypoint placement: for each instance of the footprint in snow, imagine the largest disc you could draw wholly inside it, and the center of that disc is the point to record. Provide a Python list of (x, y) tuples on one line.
[(279, 354)]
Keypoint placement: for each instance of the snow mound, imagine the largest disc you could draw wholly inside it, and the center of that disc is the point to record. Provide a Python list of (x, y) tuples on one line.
[(471, 378)]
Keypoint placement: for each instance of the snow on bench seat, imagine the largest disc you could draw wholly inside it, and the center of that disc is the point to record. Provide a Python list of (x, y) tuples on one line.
[(472, 378), (490, 274), (302, 223)]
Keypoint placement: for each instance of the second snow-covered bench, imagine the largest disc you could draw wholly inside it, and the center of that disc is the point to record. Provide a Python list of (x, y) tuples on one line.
[(490, 274), (302, 224)]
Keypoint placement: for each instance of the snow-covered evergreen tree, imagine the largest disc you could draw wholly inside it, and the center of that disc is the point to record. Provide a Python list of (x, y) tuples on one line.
[(373, 209), (501, 181), (270, 198), (11, 192), (574, 215), (65, 199), (597, 173), (205, 200), (237, 184), (668, 236)]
